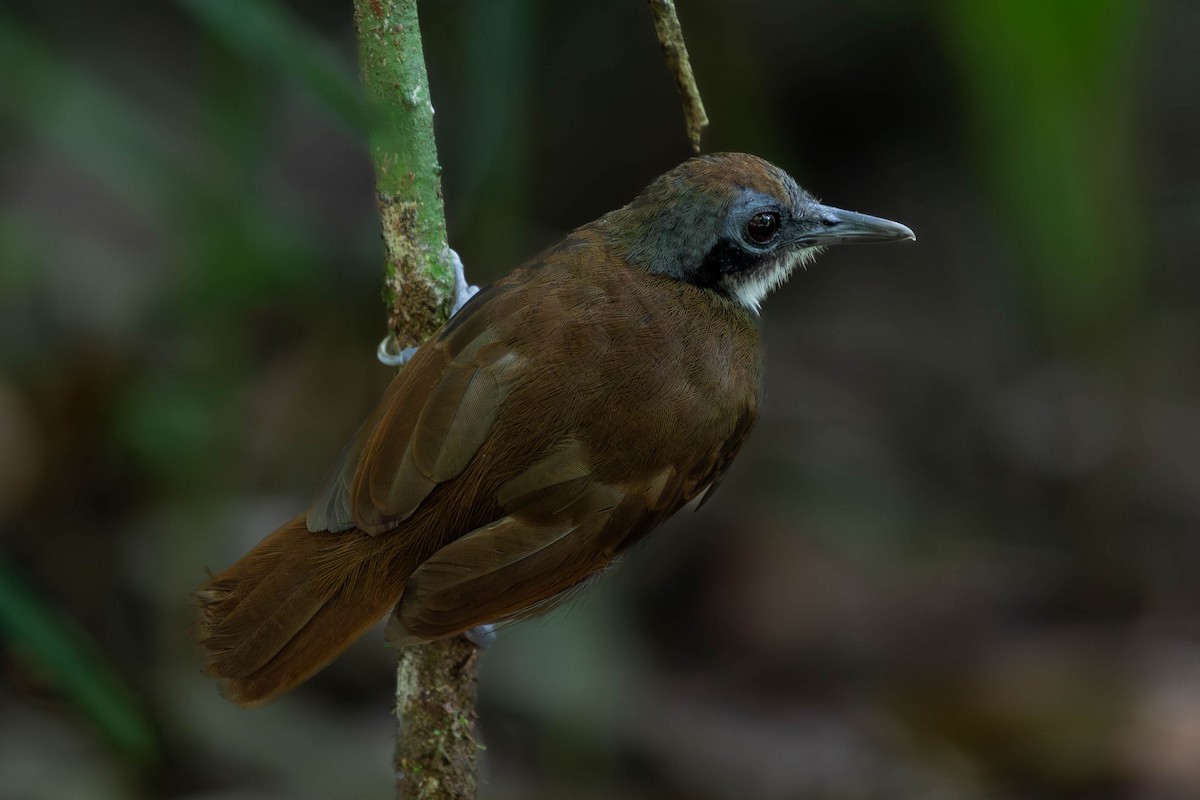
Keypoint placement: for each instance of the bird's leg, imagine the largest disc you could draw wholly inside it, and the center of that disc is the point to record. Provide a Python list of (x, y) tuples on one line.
[(463, 291)]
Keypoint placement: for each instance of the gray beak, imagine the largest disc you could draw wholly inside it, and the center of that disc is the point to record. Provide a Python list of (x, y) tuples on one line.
[(836, 226)]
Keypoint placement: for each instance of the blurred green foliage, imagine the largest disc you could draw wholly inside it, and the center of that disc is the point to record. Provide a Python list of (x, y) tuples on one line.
[(32, 630), (1052, 91), (270, 35), (956, 559)]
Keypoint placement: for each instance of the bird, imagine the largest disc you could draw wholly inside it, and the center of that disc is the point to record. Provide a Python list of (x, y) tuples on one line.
[(563, 413)]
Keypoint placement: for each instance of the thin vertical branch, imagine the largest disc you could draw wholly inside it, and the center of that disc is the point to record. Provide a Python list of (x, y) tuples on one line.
[(419, 286), (670, 35), (435, 683)]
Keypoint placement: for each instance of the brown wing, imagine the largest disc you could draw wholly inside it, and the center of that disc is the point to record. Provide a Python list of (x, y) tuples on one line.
[(431, 422), (561, 526)]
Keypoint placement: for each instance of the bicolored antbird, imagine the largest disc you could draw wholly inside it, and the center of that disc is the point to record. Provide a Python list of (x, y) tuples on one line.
[(560, 416)]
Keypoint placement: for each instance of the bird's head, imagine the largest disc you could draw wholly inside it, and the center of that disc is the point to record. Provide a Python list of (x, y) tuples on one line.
[(735, 224)]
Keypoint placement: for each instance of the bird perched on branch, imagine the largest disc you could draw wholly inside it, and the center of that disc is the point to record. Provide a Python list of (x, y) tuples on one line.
[(561, 415)]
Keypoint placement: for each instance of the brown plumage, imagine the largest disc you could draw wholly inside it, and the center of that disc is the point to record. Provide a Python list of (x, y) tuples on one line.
[(560, 416)]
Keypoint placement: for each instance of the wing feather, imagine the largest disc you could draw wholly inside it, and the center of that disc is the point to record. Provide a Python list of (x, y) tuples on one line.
[(562, 526), (436, 415)]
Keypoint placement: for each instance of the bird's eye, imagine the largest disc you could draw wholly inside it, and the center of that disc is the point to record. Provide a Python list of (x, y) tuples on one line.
[(762, 227)]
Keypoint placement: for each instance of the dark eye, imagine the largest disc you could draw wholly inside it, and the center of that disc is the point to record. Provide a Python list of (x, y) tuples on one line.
[(762, 227)]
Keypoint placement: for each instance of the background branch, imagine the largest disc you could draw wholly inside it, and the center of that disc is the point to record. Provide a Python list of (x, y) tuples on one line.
[(670, 34), (435, 683)]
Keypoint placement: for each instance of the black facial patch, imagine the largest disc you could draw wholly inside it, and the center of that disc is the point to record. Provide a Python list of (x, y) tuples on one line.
[(725, 258)]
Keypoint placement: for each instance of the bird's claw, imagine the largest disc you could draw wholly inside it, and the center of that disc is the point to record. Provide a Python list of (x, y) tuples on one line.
[(390, 356), (482, 636), (463, 291)]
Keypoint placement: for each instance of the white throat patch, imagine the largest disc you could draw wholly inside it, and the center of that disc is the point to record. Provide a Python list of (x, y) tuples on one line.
[(750, 292)]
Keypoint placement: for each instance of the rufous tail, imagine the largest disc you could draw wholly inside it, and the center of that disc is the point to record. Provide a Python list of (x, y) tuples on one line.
[(290, 605)]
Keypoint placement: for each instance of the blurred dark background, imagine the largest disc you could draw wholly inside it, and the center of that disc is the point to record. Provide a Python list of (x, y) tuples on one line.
[(958, 559)]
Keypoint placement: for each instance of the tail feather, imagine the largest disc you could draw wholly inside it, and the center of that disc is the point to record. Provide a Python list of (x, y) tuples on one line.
[(291, 605)]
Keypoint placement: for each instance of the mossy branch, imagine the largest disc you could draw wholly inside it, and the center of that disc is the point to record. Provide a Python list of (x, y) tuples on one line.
[(419, 287), (435, 683)]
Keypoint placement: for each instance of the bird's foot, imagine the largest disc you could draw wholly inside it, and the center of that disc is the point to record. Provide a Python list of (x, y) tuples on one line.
[(482, 636), (463, 291), (388, 354)]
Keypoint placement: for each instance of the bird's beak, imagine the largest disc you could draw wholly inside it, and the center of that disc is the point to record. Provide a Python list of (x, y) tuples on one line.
[(836, 226)]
